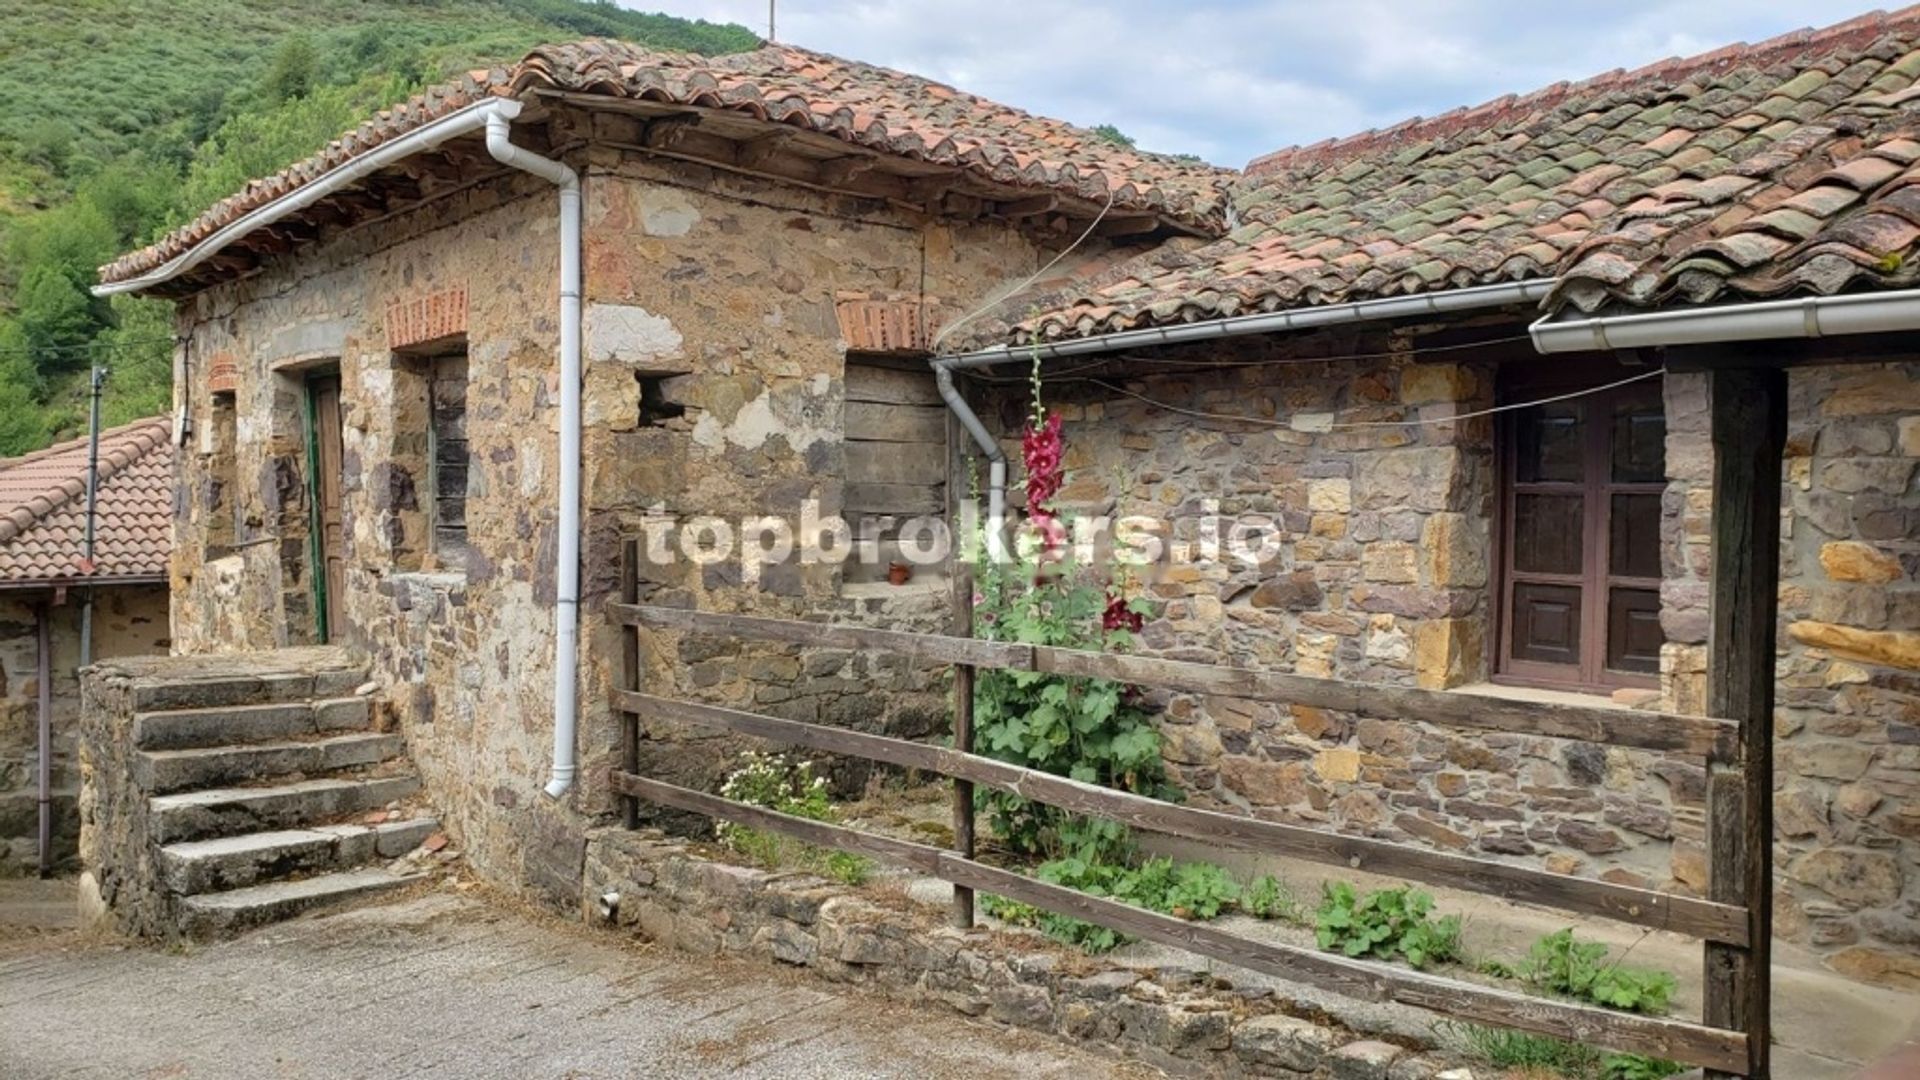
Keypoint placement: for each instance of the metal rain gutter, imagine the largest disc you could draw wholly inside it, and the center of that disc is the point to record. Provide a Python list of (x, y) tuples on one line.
[(1802, 317), (1451, 301), (464, 121), (1446, 302)]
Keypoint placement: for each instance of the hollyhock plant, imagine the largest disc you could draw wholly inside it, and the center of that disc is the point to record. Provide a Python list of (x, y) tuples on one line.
[(1094, 730)]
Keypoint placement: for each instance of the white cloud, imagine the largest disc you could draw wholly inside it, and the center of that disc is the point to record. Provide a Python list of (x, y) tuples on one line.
[(1232, 79)]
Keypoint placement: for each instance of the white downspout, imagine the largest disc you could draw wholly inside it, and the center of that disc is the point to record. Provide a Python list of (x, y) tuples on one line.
[(566, 611), (996, 459)]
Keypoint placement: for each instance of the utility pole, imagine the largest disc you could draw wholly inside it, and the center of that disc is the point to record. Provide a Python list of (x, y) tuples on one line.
[(770, 4), (93, 498)]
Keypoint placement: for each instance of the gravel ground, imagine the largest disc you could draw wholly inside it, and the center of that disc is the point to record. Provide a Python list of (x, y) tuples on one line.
[(442, 985)]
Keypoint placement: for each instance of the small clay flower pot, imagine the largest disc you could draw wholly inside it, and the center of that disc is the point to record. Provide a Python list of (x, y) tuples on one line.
[(898, 573)]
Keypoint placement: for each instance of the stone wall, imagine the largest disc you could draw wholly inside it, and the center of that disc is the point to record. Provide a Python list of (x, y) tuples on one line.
[(1848, 723), (714, 365), (1386, 575), (128, 620), (1188, 1022)]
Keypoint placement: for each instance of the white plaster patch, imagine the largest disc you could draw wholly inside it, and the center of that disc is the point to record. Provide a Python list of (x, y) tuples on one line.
[(629, 334), (754, 424), (532, 467), (707, 432), (1311, 421), (666, 212)]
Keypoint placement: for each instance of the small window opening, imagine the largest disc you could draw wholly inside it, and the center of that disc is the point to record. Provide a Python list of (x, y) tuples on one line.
[(655, 407), (447, 453)]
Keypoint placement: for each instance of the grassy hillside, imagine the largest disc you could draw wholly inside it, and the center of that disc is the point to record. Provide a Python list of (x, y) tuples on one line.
[(127, 117)]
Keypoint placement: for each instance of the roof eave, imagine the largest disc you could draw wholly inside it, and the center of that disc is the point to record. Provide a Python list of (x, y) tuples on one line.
[(463, 121)]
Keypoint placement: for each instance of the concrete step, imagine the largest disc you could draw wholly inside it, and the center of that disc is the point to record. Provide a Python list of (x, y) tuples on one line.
[(181, 729), (197, 815), (213, 914), (162, 771), (235, 862)]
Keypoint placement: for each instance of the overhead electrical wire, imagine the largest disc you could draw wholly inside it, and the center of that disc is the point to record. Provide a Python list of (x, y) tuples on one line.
[(1262, 421)]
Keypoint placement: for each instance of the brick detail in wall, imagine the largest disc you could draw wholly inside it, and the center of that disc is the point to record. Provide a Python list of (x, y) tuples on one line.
[(878, 323), (223, 374), (434, 316)]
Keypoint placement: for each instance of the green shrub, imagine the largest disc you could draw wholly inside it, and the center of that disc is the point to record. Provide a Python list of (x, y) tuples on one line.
[(1197, 891), (1385, 923), (1561, 964)]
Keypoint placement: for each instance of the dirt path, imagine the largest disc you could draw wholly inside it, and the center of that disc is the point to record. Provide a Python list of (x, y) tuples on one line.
[(446, 986)]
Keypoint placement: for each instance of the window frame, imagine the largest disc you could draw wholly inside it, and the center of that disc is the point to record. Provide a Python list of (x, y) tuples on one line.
[(1596, 488), (440, 543)]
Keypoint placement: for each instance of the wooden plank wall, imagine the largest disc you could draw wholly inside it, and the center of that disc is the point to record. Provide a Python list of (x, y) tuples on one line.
[(896, 446)]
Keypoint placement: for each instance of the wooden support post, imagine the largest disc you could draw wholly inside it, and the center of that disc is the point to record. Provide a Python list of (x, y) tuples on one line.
[(1749, 409), (962, 735), (630, 678)]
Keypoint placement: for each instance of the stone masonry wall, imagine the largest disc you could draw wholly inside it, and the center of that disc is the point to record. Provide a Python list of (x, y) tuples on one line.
[(128, 620), (1846, 812), (1189, 1023), (1386, 575), (719, 291)]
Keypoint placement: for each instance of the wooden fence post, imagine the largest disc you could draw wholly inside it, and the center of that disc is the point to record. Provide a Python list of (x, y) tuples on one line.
[(962, 735), (1749, 410), (630, 677)]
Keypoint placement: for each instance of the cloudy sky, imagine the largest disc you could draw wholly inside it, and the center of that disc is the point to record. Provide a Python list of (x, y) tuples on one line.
[(1232, 79)]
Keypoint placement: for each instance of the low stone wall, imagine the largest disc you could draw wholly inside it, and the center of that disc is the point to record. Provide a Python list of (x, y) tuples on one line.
[(1187, 1022), (120, 878)]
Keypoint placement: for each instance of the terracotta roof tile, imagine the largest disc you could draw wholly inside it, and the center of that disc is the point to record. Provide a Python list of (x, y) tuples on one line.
[(43, 508), (873, 107), (1741, 170)]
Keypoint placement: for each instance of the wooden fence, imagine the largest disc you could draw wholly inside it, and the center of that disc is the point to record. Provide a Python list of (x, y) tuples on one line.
[(1724, 921)]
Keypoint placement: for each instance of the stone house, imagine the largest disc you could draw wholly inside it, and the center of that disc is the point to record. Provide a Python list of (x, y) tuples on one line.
[(44, 585), (771, 246)]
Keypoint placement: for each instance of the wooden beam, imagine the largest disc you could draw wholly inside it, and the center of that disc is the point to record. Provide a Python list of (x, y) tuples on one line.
[(1790, 352), (1642, 907), (676, 132), (962, 608), (841, 172), (1702, 736), (755, 153), (1368, 981), (1611, 727), (1127, 224), (1019, 208), (931, 647), (1749, 430)]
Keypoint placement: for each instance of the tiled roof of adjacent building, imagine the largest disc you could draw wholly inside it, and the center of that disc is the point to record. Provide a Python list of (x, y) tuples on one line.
[(43, 508), (872, 107), (1754, 170)]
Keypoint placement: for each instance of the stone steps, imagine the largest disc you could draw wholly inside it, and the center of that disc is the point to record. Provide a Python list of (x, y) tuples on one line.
[(215, 812), (227, 725), (165, 771), (288, 675), (193, 867), (213, 914), (267, 789)]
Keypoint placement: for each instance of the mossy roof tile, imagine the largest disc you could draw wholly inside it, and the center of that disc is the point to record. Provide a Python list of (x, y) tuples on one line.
[(1683, 181)]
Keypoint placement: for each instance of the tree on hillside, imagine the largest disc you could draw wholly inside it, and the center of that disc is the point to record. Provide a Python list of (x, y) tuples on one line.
[(295, 70)]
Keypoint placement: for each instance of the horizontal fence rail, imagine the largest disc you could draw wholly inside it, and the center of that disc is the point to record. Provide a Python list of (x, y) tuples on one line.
[(1643, 907), (1721, 924), (1678, 1039), (1712, 739)]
